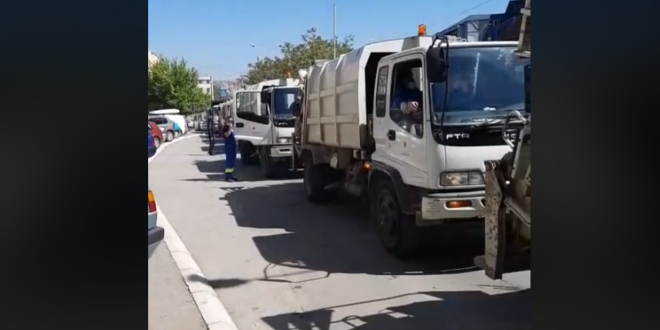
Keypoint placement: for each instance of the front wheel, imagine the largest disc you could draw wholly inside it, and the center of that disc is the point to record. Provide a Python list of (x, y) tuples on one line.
[(315, 180), (266, 164), (397, 231), (247, 154), (157, 142)]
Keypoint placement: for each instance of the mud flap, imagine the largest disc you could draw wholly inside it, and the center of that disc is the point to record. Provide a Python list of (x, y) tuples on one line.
[(495, 224)]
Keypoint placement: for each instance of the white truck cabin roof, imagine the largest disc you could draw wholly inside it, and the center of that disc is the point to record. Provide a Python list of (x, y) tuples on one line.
[(273, 82)]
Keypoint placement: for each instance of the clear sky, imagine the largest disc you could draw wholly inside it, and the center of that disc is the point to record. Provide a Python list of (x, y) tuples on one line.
[(215, 35)]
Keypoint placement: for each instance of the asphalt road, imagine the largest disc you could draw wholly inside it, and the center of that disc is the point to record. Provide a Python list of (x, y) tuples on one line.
[(278, 262)]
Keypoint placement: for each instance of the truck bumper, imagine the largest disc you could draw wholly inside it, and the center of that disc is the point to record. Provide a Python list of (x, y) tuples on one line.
[(439, 207), (281, 151), (156, 236)]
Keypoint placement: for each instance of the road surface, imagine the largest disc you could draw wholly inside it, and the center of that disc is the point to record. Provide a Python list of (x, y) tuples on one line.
[(171, 306), (278, 262)]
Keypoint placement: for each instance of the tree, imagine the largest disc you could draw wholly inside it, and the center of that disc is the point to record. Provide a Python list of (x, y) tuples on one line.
[(297, 56), (172, 84)]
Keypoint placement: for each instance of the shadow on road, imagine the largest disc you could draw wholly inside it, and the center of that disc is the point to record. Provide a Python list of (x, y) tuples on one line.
[(219, 283), (214, 171), (336, 238), (469, 310)]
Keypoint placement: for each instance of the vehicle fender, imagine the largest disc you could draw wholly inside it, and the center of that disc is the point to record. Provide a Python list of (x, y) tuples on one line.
[(403, 194)]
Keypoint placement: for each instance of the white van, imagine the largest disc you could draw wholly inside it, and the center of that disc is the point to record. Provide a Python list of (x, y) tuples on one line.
[(173, 115)]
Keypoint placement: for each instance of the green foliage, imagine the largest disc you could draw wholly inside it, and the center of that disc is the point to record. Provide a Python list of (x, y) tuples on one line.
[(172, 84), (296, 56)]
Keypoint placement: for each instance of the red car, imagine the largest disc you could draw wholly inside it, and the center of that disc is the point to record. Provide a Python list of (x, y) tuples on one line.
[(156, 133)]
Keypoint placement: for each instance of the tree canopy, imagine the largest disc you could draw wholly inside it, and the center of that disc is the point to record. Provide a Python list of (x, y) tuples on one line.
[(173, 84), (296, 56)]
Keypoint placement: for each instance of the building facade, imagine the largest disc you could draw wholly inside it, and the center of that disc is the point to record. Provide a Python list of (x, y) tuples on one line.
[(205, 84)]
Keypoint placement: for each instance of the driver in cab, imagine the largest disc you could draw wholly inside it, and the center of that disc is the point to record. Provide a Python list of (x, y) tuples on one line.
[(407, 97)]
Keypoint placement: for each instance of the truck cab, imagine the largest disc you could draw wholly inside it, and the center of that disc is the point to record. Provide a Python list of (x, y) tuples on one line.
[(264, 122), (441, 147), (416, 166)]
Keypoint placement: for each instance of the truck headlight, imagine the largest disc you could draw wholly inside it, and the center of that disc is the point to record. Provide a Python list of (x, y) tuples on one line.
[(283, 140), (461, 178)]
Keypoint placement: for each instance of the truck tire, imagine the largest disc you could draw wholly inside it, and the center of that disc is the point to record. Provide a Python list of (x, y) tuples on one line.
[(397, 231), (314, 179), (247, 152), (265, 163)]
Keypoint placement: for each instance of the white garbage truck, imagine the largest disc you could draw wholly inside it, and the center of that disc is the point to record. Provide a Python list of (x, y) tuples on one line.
[(263, 123), (414, 151)]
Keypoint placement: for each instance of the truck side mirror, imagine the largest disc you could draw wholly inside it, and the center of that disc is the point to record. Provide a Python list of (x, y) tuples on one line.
[(265, 96), (296, 109), (436, 67)]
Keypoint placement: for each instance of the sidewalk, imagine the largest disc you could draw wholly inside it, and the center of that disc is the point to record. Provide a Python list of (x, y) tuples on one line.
[(171, 306)]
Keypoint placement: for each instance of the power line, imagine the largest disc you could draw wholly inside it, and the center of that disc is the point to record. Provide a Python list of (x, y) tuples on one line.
[(475, 7)]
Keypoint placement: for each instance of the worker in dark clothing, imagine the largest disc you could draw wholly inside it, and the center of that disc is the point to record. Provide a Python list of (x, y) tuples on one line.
[(209, 131), (230, 153), (407, 97)]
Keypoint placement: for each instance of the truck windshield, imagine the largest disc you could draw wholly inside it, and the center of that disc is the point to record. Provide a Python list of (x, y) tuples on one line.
[(284, 100), (485, 82)]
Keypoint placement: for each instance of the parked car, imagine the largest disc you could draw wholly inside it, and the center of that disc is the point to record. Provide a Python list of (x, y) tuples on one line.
[(175, 116), (156, 133), (166, 126), (152, 146), (156, 234)]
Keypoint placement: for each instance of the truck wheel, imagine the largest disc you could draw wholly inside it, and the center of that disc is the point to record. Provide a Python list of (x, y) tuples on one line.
[(267, 166), (247, 151), (397, 231), (314, 180)]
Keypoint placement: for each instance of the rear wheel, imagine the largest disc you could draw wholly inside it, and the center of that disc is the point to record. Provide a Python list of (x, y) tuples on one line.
[(157, 142), (397, 231)]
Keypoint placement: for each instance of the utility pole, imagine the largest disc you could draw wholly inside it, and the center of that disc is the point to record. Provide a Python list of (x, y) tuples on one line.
[(334, 28)]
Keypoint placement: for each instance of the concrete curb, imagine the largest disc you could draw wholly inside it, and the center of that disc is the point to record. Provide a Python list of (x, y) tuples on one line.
[(213, 312)]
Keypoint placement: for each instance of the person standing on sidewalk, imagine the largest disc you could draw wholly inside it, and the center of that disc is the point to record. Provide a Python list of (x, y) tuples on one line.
[(230, 153), (209, 131)]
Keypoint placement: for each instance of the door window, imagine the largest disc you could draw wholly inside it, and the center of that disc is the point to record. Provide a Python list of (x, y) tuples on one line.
[(381, 91), (407, 97)]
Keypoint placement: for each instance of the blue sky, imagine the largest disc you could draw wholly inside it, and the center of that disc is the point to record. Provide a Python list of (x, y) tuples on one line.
[(215, 35)]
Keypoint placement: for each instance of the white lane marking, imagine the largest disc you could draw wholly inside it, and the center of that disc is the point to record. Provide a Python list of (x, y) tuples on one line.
[(213, 312)]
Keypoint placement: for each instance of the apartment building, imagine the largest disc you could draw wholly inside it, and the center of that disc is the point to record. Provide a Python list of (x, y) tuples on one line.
[(205, 84)]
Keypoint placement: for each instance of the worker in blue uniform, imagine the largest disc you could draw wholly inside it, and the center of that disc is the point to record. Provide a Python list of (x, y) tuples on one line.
[(230, 153)]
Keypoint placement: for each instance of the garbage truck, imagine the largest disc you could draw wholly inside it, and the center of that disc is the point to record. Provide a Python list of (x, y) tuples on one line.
[(263, 123), (508, 180), (406, 124)]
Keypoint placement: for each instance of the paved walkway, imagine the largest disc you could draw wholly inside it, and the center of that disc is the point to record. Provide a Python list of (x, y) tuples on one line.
[(278, 262)]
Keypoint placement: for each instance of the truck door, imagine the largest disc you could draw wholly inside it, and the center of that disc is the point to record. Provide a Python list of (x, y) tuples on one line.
[(399, 136), (250, 123)]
